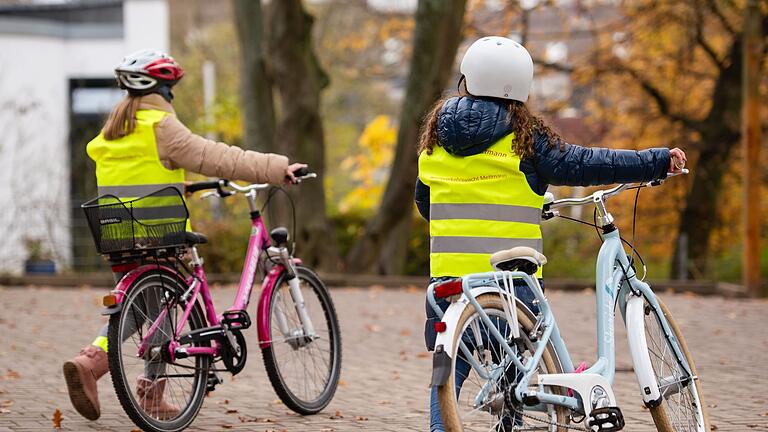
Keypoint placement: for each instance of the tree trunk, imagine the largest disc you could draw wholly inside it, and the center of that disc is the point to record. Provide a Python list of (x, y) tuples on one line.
[(382, 248), (299, 80), (255, 84), (719, 136)]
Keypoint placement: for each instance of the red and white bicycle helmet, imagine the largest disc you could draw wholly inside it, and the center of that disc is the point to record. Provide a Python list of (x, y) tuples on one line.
[(145, 71)]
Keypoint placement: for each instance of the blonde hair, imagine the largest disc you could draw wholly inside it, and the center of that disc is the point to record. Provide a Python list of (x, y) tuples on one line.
[(122, 119)]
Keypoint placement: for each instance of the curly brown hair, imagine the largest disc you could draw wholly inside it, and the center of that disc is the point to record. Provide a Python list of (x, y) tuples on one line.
[(523, 123)]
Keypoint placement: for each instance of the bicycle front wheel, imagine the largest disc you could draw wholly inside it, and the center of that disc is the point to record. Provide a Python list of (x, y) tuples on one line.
[(303, 364), (682, 408), (470, 402), (158, 396)]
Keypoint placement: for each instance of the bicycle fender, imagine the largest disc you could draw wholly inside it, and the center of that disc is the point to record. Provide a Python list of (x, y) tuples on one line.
[(638, 348), (451, 320), (121, 290), (262, 310), (112, 310), (265, 299)]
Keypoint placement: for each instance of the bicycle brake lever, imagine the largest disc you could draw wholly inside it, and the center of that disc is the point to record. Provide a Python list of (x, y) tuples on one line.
[(209, 194)]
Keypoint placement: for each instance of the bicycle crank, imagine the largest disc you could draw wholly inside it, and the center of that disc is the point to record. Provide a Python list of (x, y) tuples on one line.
[(234, 351)]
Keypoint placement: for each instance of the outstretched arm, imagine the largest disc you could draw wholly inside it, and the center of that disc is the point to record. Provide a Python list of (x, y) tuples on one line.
[(178, 147), (574, 165)]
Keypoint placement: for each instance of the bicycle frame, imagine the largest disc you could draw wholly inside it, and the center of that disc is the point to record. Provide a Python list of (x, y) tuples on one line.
[(615, 282), (197, 284)]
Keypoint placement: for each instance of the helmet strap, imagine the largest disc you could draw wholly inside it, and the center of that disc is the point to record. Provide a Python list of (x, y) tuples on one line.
[(458, 84), (165, 91)]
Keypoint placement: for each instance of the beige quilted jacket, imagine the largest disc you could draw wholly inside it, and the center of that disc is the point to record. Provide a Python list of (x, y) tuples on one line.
[(178, 147)]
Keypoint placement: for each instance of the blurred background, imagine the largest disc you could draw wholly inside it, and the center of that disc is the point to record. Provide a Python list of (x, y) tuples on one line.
[(343, 85)]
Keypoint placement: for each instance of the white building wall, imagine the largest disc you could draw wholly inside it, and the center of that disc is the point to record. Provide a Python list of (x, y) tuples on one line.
[(34, 125), (146, 25)]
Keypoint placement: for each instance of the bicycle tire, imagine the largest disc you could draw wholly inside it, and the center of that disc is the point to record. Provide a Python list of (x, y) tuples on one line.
[(449, 404), (661, 418), (120, 380), (273, 365)]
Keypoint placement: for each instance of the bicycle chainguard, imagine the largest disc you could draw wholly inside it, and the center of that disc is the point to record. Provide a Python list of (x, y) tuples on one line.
[(606, 419), (237, 318)]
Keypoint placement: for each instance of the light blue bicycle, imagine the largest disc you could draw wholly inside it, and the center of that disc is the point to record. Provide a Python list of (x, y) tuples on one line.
[(500, 367)]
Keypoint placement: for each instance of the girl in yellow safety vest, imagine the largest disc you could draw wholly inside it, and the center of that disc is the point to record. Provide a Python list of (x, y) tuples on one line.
[(143, 147), (484, 165)]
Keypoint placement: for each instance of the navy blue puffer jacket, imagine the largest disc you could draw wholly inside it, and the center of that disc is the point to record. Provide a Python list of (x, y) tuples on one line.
[(468, 126)]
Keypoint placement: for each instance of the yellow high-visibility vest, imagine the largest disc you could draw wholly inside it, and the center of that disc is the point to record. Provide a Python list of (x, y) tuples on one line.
[(479, 205), (129, 167)]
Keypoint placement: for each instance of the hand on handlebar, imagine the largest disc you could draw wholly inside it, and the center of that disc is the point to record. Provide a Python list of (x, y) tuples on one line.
[(677, 160), (295, 170)]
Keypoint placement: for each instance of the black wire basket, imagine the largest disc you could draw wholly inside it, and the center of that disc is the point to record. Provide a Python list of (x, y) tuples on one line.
[(154, 221)]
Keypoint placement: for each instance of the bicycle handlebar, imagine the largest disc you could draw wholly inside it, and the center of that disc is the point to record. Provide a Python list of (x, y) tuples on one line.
[(224, 188), (605, 193)]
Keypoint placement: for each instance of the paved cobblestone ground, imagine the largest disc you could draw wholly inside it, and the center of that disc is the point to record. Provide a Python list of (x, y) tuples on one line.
[(385, 368)]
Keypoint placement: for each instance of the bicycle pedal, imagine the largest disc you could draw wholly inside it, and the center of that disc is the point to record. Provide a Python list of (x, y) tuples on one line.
[(239, 318), (606, 419), (213, 380)]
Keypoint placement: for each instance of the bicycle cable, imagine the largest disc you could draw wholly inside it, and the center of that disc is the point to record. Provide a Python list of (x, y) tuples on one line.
[(270, 194), (597, 229)]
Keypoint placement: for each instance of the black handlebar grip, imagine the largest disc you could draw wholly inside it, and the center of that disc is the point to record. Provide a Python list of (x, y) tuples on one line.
[(301, 172), (194, 187)]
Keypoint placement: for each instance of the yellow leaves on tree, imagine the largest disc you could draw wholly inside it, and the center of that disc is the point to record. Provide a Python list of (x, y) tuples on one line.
[(370, 166)]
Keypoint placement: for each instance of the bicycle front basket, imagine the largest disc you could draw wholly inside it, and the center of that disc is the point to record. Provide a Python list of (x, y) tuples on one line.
[(154, 221)]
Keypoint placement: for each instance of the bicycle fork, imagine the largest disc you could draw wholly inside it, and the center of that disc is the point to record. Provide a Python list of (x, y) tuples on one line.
[(299, 337)]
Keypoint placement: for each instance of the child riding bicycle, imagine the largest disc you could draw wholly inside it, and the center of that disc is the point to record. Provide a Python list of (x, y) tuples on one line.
[(485, 162), (142, 148)]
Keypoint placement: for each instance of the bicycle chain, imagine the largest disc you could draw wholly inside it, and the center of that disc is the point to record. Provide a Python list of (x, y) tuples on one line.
[(551, 423)]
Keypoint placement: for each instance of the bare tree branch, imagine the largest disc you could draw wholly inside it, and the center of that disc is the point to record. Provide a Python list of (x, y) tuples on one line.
[(713, 6), (701, 40), (554, 66), (658, 97)]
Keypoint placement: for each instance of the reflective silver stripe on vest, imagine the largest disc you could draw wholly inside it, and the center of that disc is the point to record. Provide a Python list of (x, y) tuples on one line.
[(165, 212), (492, 212), (480, 245), (136, 191)]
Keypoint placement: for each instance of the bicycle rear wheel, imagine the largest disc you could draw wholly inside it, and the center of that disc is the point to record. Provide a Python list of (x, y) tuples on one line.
[(303, 369), (682, 407), (499, 410), (158, 396)]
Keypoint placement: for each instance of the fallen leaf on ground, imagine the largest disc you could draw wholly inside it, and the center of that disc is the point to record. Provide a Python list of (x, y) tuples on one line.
[(231, 411), (6, 403), (57, 419), (336, 415), (361, 418)]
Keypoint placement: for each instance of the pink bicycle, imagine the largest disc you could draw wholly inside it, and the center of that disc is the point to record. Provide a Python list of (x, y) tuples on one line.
[(166, 347)]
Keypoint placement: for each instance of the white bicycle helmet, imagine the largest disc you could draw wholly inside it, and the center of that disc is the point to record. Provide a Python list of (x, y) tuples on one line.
[(498, 67), (144, 71)]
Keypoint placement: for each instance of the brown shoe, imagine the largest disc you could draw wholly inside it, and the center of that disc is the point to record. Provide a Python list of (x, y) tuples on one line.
[(81, 374), (150, 396)]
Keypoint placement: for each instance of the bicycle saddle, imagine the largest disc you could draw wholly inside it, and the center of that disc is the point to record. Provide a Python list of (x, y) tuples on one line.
[(186, 237), (522, 258), (192, 238)]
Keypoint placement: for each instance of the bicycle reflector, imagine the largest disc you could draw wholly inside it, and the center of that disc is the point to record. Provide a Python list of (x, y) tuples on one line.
[(448, 288)]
